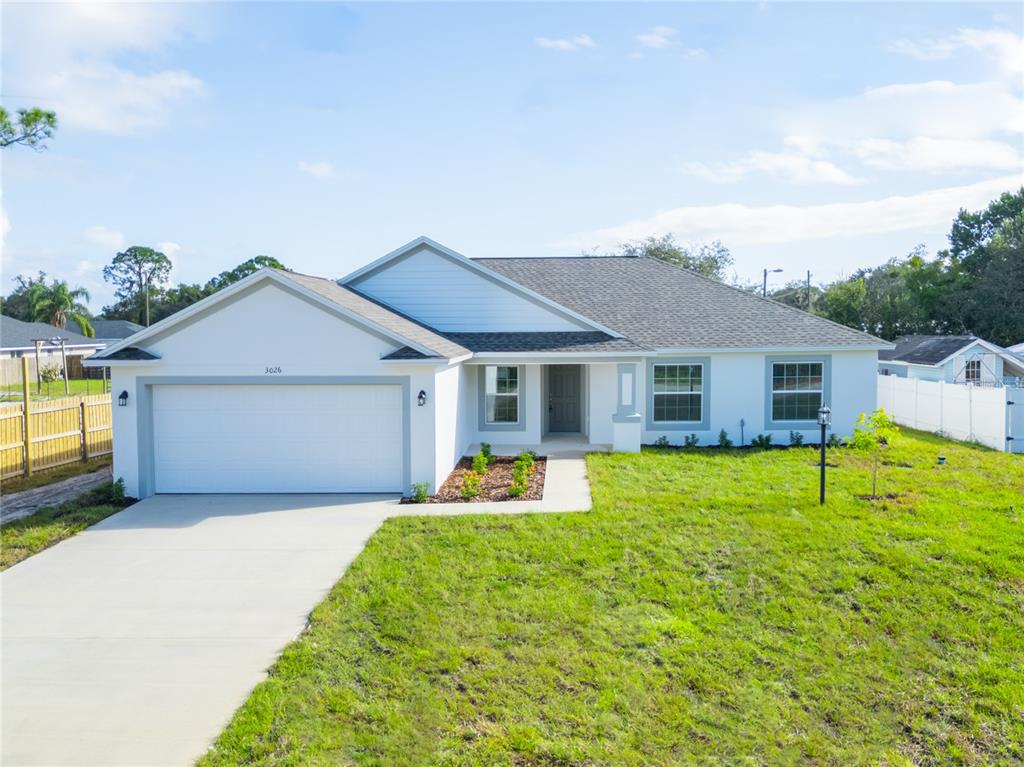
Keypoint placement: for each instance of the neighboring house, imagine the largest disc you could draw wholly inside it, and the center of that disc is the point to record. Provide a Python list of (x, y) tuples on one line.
[(109, 332), (1017, 349), (18, 339), (388, 376), (952, 359)]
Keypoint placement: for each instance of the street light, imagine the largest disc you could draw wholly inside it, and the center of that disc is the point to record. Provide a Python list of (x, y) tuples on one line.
[(764, 281), (824, 419)]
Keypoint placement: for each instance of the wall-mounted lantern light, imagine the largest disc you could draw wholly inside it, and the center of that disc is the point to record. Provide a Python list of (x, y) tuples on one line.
[(421, 398), (122, 398), (824, 419)]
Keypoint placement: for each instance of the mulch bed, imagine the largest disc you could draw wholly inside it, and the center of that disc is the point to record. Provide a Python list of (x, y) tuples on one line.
[(494, 486)]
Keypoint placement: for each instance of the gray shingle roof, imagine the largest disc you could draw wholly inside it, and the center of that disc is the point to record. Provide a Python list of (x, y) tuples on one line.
[(132, 353), (561, 341), (15, 334), (661, 306), (926, 350), (110, 328), (379, 314)]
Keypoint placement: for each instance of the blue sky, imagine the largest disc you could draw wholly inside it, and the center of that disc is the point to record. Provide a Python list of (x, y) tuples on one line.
[(821, 137)]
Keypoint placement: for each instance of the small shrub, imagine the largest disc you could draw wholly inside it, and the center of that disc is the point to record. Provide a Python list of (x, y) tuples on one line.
[(49, 373), (690, 440), (528, 460), (480, 462), (723, 439), (762, 441), (834, 440), (471, 484), (796, 439), (117, 491), (662, 441), (520, 478), (485, 448), (419, 492)]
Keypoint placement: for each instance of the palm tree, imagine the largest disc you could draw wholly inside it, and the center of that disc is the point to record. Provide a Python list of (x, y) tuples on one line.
[(58, 303)]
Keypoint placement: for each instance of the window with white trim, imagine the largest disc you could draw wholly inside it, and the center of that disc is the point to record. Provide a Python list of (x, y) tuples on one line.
[(972, 371), (502, 392), (678, 393), (797, 390)]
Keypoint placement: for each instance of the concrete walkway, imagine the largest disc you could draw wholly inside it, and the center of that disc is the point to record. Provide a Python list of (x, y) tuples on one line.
[(134, 642), (17, 505)]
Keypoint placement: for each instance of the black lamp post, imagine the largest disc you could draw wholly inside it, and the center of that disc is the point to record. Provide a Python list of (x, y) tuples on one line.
[(764, 281), (824, 419)]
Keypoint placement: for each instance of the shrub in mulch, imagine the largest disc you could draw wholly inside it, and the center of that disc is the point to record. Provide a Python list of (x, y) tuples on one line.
[(494, 484)]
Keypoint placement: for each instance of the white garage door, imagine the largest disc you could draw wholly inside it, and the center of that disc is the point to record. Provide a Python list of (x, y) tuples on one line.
[(277, 439)]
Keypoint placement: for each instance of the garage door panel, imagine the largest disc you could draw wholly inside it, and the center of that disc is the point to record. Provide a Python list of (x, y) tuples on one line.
[(278, 438)]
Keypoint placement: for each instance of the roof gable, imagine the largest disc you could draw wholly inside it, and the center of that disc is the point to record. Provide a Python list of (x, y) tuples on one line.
[(437, 286), (662, 306), (325, 294)]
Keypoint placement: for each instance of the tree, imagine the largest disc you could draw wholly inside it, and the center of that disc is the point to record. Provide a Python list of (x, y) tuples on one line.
[(32, 127), (795, 294), (709, 259), (134, 271), (242, 271), (58, 303), (874, 432), (20, 303)]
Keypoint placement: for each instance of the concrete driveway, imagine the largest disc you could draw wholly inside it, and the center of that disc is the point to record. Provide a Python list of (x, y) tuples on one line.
[(134, 642)]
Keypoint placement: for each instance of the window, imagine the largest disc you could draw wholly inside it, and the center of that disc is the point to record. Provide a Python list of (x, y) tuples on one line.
[(796, 390), (678, 392), (502, 391), (972, 371)]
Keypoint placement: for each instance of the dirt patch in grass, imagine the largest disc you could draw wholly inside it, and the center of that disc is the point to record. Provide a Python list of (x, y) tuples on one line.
[(494, 486)]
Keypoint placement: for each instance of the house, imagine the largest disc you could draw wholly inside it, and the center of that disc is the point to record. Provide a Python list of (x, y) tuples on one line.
[(952, 359), (18, 339), (109, 331), (388, 376)]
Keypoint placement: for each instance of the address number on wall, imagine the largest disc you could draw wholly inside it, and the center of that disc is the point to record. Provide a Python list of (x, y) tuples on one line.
[(272, 371)]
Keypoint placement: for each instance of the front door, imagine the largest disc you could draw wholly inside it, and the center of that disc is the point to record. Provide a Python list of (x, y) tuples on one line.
[(564, 398)]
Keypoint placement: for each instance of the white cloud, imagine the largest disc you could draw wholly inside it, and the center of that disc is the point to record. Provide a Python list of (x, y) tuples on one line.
[(1006, 48), (112, 239), (65, 54), (657, 37), (936, 155), (317, 169), (169, 249), (745, 224), (566, 44), (790, 166)]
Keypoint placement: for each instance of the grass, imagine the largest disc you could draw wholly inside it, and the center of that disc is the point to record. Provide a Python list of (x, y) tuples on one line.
[(707, 612), (54, 390), (29, 535), (42, 477)]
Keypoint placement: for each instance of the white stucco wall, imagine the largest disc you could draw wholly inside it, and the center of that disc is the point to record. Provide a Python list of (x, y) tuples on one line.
[(604, 394), (453, 431), (738, 391), (531, 409), (271, 327)]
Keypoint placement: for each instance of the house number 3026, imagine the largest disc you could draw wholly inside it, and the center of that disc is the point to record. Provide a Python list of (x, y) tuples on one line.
[(271, 371)]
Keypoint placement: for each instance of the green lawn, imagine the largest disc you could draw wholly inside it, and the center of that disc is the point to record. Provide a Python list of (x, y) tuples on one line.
[(706, 612), (29, 535), (12, 392)]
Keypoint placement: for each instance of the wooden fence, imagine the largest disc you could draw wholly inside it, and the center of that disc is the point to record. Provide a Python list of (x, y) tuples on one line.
[(61, 431)]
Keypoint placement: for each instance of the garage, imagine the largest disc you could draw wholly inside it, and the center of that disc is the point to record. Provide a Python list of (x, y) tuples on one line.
[(278, 438)]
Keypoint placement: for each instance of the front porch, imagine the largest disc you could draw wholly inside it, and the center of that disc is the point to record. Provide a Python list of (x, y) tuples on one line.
[(557, 407)]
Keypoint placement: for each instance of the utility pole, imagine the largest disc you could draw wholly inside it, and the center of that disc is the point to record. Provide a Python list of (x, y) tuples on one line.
[(63, 363), (39, 377), (764, 281)]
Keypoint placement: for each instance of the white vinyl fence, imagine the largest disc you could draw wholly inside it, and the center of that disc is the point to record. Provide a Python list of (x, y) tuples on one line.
[(993, 416)]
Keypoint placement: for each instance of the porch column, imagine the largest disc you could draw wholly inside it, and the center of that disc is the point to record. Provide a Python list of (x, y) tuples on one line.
[(626, 421)]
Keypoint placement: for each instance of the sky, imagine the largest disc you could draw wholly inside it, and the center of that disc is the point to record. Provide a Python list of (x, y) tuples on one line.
[(822, 137)]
